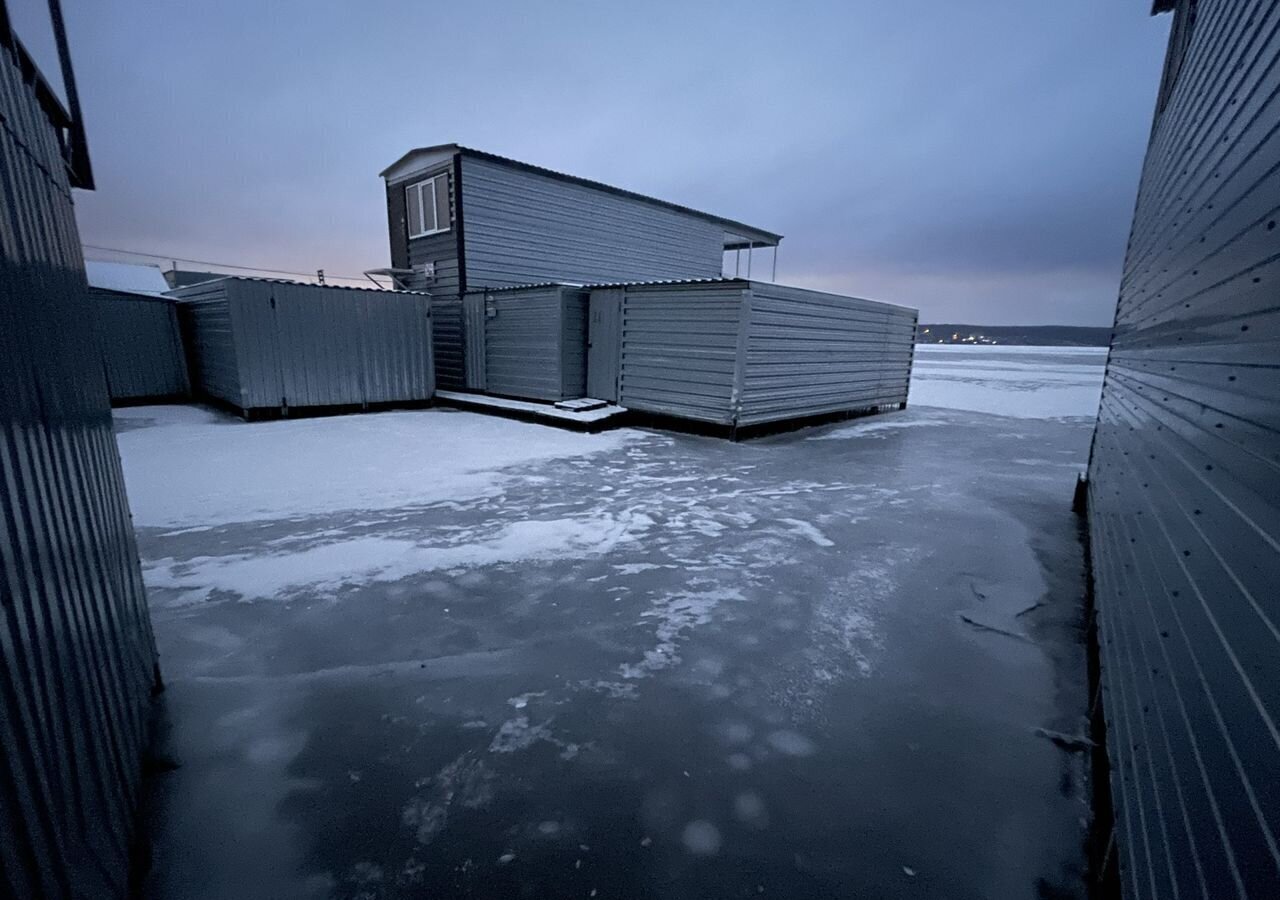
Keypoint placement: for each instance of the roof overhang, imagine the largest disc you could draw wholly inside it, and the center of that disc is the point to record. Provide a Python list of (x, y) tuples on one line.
[(738, 235), (1163, 6), (418, 160)]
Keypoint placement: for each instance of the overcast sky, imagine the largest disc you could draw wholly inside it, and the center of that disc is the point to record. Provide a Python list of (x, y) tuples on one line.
[(978, 160)]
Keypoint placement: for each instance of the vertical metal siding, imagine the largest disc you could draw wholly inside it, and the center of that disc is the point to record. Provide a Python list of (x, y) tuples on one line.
[(680, 350), (473, 335), (522, 347), (522, 228), (1184, 486), (810, 353), (77, 658), (441, 251), (397, 361), (262, 345), (257, 342), (573, 342), (141, 346), (204, 316)]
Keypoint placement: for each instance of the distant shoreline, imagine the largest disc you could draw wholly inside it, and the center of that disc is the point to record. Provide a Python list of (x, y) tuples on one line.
[(1014, 335)]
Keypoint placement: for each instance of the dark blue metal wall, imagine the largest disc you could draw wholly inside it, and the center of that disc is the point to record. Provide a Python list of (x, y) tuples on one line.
[(1184, 492), (77, 660)]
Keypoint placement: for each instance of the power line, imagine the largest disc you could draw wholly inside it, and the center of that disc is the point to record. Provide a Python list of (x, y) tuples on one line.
[(205, 262)]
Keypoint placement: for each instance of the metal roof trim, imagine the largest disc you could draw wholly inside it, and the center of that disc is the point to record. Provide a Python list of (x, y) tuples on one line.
[(604, 284), (669, 282), (310, 284), (109, 295)]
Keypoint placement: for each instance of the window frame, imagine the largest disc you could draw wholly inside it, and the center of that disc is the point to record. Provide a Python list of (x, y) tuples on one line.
[(418, 229)]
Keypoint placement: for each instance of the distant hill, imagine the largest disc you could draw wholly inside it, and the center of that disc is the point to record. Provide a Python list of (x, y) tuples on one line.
[(1033, 335)]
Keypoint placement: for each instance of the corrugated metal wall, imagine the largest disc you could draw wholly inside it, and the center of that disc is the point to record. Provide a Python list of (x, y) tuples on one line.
[(573, 342), (141, 346), (204, 316), (1184, 480), (743, 353), (77, 659), (535, 342), (441, 251), (446, 342), (266, 345), (680, 350), (522, 227), (809, 353)]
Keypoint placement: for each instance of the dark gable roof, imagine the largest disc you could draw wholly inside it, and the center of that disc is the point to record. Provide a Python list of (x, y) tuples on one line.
[(1161, 6), (756, 235)]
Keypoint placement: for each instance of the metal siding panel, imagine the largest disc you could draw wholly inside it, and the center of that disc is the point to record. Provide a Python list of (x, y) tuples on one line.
[(680, 350), (522, 227), (257, 343), (604, 344), (573, 343), (141, 346), (522, 343), (204, 315), (810, 353), (441, 250), (77, 658), (398, 360), (1184, 477), (473, 336), (319, 335), (447, 342), (261, 345)]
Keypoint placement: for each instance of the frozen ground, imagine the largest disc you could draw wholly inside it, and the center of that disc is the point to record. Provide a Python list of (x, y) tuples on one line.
[(436, 654), (1027, 382)]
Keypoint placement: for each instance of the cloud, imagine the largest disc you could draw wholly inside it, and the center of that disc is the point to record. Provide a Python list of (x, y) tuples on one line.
[(980, 159)]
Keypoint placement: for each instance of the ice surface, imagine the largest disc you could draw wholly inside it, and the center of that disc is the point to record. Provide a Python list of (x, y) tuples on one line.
[(369, 559), (193, 468), (1025, 382)]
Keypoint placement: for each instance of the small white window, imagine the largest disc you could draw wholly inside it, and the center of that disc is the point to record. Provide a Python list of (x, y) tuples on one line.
[(427, 206)]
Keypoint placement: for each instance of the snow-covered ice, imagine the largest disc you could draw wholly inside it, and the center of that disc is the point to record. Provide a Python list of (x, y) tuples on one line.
[(195, 468), (1024, 382), (510, 642), (362, 560)]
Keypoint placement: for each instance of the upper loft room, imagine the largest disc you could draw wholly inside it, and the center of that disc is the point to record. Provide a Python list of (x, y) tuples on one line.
[(462, 219)]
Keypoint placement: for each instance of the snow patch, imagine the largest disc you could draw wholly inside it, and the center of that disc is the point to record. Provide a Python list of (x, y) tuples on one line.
[(808, 530), (188, 470), (880, 425), (676, 615), (518, 734), (365, 560)]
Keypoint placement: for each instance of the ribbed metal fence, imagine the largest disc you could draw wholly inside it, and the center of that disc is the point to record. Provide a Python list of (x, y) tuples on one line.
[(141, 346), (77, 659), (265, 346), (1184, 479)]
